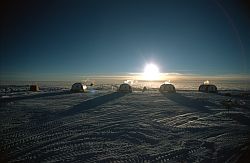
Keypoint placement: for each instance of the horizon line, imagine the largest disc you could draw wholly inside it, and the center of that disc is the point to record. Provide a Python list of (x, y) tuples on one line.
[(117, 76)]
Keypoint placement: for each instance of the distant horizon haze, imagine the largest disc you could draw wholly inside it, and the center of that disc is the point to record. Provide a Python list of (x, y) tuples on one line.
[(116, 76)]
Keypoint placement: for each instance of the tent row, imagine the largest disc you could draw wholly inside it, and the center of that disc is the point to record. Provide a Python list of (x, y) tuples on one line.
[(126, 88), (170, 88)]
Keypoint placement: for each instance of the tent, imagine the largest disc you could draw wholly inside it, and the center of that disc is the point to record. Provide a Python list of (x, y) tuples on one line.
[(209, 88), (144, 89), (34, 88), (126, 88), (78, 87), (167, 88)]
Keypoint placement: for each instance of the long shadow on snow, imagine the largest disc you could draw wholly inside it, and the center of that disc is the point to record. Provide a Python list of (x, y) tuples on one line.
[(91, 103), (193, 104), (11, 99), (85, 105)]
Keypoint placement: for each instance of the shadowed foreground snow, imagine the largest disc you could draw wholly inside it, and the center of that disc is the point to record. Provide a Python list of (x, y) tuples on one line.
[(110, 127)]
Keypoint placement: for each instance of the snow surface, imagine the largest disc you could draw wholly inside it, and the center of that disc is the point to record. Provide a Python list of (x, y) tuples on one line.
[(54, 125)]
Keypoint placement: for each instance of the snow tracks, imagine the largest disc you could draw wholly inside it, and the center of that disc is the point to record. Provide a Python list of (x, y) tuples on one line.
[(113, 127)]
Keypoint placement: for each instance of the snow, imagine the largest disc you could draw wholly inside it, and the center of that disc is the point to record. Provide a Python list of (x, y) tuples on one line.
[(55, 125)]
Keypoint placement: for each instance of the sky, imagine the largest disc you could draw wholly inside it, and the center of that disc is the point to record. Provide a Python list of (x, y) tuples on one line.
[(114, 37)]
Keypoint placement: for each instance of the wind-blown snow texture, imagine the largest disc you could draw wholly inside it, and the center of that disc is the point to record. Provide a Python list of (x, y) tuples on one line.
[(105, 126)]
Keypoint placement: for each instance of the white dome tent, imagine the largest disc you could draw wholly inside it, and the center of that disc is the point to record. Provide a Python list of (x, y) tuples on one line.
[(125, 88), (167, 88), (208, 88), (78, 87)]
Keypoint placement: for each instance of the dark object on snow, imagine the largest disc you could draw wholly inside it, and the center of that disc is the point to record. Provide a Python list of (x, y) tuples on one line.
[(233, 102), (245, 95), (228, 94), (125, 88), (144, 89), (208, 88), (167, 88), (77, 87), (34, 88)]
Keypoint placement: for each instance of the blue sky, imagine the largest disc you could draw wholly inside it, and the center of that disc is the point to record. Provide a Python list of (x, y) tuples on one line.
[(209, 37)]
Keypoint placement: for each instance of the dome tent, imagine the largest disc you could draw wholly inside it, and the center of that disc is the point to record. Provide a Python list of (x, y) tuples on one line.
[(125, 88), (144, 89), (78, 87), (34, 88), (167, 88), (208, 88)]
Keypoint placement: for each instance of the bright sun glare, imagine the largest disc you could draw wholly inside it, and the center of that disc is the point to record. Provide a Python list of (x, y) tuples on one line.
[(151, 72)]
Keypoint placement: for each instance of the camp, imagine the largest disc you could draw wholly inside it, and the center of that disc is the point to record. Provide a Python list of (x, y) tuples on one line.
[(78, 87), (167, 88), (125, 88)]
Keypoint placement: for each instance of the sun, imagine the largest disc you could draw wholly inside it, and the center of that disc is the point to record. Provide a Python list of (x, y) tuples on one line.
[(151, 72)]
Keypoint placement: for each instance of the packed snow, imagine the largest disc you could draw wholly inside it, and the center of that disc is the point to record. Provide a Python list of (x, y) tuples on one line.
[(102, 125)]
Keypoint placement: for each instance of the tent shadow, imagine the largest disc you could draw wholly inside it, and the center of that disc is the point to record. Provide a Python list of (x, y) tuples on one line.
[(6, 100), (91, 103), (192, 104)]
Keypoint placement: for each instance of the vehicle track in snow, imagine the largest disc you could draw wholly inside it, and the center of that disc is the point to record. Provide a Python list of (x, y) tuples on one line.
[(137, 127)]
